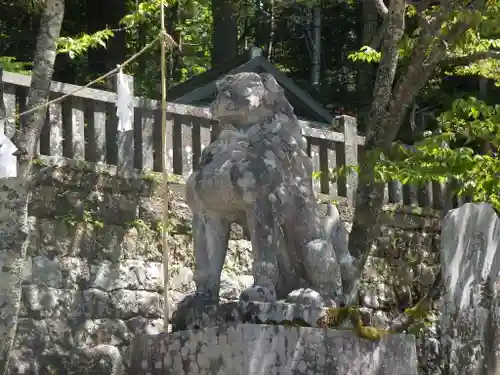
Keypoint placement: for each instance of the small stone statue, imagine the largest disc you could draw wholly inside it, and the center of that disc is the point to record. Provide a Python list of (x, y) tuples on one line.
[(258, 174)]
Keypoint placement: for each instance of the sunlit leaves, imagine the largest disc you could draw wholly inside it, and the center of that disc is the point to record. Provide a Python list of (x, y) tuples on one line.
[(369, 55), (366, 54), (411, 11), (452, 154), (77, 46), (197, 40), (10, 64), (146, 12), (488, 68), (482, 36)]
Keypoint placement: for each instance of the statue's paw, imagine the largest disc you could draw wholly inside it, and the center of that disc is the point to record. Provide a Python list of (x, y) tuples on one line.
[(309, 297), (258, 294)]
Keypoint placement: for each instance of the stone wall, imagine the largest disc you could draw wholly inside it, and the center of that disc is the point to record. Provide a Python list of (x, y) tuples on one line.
[(95, 274)]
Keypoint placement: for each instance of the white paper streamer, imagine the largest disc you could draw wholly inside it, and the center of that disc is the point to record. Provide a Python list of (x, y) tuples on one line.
[(124, 104), (8, 162)]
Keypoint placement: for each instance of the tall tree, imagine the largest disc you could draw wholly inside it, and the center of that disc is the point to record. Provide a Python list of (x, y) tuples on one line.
[(225, 31), (26, 141), (264, 26), (450, 33)]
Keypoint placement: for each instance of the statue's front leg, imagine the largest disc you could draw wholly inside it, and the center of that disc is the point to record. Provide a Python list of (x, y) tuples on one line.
[(318, 256), (323, 269), (210, 241), (263, 233)]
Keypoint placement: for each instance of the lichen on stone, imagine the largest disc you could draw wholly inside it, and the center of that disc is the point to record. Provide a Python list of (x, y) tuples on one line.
[(334, 317)]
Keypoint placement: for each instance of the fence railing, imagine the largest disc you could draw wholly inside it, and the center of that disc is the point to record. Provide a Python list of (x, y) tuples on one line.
[(84, 126)]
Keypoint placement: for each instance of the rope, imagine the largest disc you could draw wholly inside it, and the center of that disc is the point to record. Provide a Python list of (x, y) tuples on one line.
[(107, 75), (166, 194)]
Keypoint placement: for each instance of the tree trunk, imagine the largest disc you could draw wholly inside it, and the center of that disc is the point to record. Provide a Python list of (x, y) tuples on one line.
[(390, 107), (366, 72), (225, 31), (264, 26), (174, 64), (15, 230), (43, 68), (370, 195)]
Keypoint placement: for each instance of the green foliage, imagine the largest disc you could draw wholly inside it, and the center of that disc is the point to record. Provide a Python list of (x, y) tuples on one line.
[(455, 151), (309, 3), (196, 34), (451, 154), (145, 13), (481, 37), (10, 64), (78, 46), (366, 54)]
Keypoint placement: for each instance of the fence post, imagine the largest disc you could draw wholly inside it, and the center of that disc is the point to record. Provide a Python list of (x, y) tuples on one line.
[(96, 132), (3, 110), (9, 103), (73, 128), (125, 139), (8, 162), (350, 129)]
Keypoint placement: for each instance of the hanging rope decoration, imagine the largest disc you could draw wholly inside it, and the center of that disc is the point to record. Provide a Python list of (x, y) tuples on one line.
[(125, 112), (124, 103), (166, 166)]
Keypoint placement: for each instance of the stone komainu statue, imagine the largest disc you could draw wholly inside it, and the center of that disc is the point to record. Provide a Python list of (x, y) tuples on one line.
[(258, 174)]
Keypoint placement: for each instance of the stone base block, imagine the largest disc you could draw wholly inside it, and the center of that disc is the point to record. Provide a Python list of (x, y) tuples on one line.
[(254, 349), (236, 312)]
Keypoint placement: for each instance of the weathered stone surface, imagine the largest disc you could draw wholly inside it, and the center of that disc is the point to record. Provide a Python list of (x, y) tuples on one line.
[(470, 263), (247, 312), (62, 346), (258, 174), (259, 349), (14, 234), (85, 269)]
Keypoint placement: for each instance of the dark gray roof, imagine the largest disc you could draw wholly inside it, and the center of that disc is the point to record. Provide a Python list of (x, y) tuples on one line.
[(200, 90)]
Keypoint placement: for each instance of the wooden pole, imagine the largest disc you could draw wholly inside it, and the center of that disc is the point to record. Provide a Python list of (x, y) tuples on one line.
[(166, 250)]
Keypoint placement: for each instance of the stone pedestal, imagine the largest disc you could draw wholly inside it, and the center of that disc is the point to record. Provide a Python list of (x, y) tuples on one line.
[(253, 349), (237, 312)]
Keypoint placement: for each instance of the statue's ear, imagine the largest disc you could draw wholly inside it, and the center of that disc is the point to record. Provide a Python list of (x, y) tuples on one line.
[(218, 84), (270, 83), (274, 92), (225, 82)]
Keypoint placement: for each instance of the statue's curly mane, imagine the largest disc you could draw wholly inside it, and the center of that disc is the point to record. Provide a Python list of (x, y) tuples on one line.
[(268, 117)]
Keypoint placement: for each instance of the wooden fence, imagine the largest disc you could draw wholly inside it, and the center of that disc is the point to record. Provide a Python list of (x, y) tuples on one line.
[(84, 126)]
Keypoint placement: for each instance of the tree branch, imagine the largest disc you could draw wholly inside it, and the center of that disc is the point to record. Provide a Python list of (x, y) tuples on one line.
[(363, 230), (381, 8), (466, 60), (406, 319), (428, 52), (378, 36), (386, 72)]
